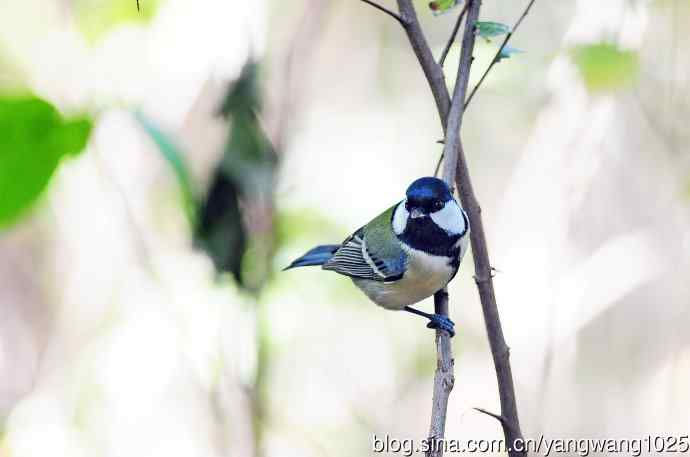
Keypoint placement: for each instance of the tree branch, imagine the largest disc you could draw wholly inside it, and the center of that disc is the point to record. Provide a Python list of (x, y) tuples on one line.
[(451, 145), (496, 58), (499, 350), (453, 34), (443, 377), (392, 14), (456, 167), (482, 265)]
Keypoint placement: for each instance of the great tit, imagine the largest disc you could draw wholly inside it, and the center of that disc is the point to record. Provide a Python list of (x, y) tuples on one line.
[(406, 254)]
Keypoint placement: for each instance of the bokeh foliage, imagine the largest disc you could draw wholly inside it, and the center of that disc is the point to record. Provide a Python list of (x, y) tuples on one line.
[(236, 226), (605, 66), (95, 18), (34, 140), (233, 221), (443, 6)]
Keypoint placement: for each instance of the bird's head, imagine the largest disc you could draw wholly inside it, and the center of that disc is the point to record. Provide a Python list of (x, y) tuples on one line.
[(426, 196), (428, 200)]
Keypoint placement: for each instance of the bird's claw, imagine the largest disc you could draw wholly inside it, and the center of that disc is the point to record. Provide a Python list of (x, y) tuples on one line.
[(440, 322)]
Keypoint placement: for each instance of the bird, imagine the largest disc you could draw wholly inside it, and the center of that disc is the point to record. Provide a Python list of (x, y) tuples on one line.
[(406, 254)]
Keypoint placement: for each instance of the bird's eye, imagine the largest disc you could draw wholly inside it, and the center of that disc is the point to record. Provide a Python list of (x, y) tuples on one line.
[(408, 207), (438, 205)]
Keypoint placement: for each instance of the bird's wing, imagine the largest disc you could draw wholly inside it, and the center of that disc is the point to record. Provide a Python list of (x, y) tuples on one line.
[(372, 252)]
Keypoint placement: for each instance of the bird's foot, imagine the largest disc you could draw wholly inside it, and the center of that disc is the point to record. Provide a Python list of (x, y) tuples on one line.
[(436, 321), (441, 322)]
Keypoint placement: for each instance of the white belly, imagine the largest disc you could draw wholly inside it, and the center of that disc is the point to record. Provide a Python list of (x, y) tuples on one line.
[(425, 275)]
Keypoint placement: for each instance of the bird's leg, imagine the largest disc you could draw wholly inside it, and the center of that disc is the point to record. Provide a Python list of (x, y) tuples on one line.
[(437, 321)]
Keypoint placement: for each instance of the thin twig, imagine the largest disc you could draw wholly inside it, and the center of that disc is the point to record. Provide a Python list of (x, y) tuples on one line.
[(453, 34), (499, 350), (498, 417), (496, 58), (138, 6), (438, 166), (392, 14)]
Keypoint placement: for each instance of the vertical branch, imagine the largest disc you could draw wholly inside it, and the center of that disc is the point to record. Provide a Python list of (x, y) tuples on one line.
[(482, 266), (484, 280), (451, 145), (444, 377), (456, 172)]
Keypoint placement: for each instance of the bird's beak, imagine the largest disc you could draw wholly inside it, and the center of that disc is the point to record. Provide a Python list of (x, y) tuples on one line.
[(415, 213)]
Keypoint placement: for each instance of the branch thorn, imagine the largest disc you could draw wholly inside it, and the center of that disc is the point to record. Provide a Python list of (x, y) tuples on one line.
[(498, 417)]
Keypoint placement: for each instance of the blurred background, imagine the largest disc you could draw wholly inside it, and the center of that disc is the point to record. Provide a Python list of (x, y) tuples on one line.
[(159, 168)]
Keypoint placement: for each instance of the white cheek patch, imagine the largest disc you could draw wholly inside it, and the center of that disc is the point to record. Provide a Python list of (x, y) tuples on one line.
[(450, 218), (400, 217)]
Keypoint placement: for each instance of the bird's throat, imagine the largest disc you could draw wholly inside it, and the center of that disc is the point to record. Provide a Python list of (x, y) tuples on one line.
[(423, 234)]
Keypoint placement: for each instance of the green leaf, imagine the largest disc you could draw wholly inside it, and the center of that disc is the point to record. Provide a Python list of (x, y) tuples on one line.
[(171, 153), (34, 140), (506, 52), (489, 29), (443, 6), (95, 18), (605, 67)]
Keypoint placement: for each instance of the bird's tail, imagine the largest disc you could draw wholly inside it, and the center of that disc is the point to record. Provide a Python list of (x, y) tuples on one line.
[(317, 256)]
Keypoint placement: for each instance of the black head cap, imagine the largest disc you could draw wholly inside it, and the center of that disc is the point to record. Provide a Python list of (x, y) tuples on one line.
[(428, 189)]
